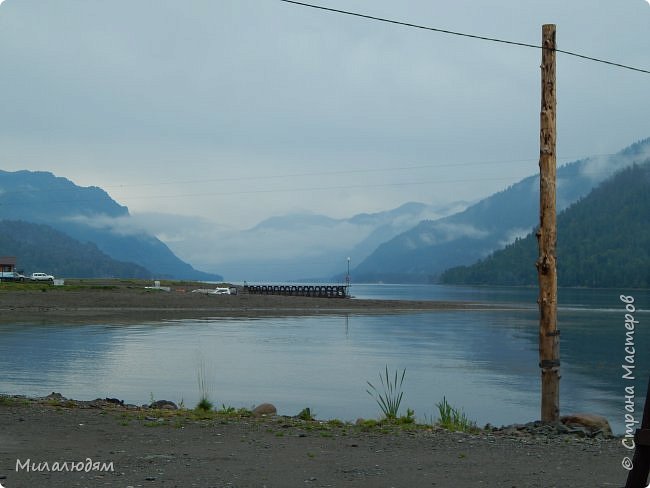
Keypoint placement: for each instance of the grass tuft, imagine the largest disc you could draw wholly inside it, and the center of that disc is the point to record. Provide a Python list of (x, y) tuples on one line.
[(204, 404), (7, 401), (454, 419), (409, 418), (390, 399), (306, 414)]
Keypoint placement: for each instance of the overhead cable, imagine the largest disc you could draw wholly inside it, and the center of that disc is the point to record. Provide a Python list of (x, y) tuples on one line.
[(463, 34)]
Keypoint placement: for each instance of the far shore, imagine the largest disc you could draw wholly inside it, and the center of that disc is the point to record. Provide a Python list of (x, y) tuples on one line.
[(129, 300)]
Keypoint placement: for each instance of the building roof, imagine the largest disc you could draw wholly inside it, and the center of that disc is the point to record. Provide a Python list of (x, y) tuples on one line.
[(8, 260)]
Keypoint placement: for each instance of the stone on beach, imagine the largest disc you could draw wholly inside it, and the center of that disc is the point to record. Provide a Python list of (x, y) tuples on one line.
[(264, 409), (164, 405), (591, 421)]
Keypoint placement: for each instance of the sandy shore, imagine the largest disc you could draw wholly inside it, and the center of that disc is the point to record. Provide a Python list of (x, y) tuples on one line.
[(129, 302), (155, 448)]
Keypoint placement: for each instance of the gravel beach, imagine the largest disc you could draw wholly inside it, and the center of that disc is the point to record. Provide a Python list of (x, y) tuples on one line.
[(151, 448)]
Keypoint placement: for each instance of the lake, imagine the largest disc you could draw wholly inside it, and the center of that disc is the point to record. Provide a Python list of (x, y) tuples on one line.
[(485, 362)]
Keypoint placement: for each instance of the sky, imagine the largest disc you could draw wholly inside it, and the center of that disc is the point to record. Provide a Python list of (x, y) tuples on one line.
[(218, 114)]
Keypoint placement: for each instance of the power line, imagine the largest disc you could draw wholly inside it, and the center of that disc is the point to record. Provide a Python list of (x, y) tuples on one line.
[(299, 189), (462, 34), (330, 188), (315, 173), (331, 173), (279, 190)]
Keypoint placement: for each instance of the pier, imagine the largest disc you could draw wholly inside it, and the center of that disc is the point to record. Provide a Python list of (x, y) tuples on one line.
[(323, 291)]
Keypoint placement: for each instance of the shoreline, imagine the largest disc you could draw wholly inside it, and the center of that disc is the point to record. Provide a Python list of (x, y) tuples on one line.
[(150, 447), (129, 303)]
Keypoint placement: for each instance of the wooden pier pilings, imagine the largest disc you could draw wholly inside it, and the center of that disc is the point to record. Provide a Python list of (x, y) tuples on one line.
[(323, 291)]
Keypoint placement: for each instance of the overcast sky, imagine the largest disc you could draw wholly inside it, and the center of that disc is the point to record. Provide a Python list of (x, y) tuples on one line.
[(237, 110)]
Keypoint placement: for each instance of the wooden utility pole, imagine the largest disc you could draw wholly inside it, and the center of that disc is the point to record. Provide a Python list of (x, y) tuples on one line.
[(549, 341)]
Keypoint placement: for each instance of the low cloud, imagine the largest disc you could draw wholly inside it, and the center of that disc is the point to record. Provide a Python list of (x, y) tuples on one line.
[(513, 234), (456, 231), (602, 167), (213, 247), (447, 231), (281, 248)]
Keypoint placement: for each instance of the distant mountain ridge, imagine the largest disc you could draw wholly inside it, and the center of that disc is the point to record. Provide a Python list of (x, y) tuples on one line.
[(603, 241), (42, 248), (35, 196), (422, 253), (84, 214), (415, 242), (314, 247)]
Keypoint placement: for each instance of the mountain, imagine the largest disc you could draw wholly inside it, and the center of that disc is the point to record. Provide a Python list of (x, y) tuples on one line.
[(423, 252), (36, 196), (88, 214), (603, 241), (39, 247), (312, 247)]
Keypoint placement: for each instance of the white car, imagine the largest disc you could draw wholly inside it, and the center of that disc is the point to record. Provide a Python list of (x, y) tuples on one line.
[(41, 277)]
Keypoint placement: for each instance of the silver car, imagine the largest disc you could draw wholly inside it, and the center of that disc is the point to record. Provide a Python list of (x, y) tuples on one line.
[(41, 277)]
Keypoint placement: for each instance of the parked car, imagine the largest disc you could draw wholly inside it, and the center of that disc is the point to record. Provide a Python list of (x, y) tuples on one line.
[(11, 276), (41, 277)]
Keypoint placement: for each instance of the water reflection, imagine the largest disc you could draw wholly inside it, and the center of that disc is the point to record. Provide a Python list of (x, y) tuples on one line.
[(485, 362)]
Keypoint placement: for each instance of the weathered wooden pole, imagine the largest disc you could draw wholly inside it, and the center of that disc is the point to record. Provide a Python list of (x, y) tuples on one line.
[(549, 341)]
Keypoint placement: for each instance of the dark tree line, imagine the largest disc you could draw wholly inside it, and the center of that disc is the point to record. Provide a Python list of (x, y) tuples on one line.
[(603, 241), (39, 247)]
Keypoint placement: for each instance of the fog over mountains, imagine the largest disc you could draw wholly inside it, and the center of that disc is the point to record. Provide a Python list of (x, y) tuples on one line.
[(87, 214), (415, 242), (314, 247), (422, 253), (412, 243), (603, 241)]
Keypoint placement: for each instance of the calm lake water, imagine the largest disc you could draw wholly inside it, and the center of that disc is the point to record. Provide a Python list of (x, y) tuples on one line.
[(483, 361)]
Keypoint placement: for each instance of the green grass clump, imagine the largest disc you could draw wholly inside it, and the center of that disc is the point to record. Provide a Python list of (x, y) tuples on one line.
[(89, 287), (454, 419), (368, 425), (16, 286), (229, 410), (390, 398), (409, 418), (204, 404), (336, 423), (7, 401), (305, 414)]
